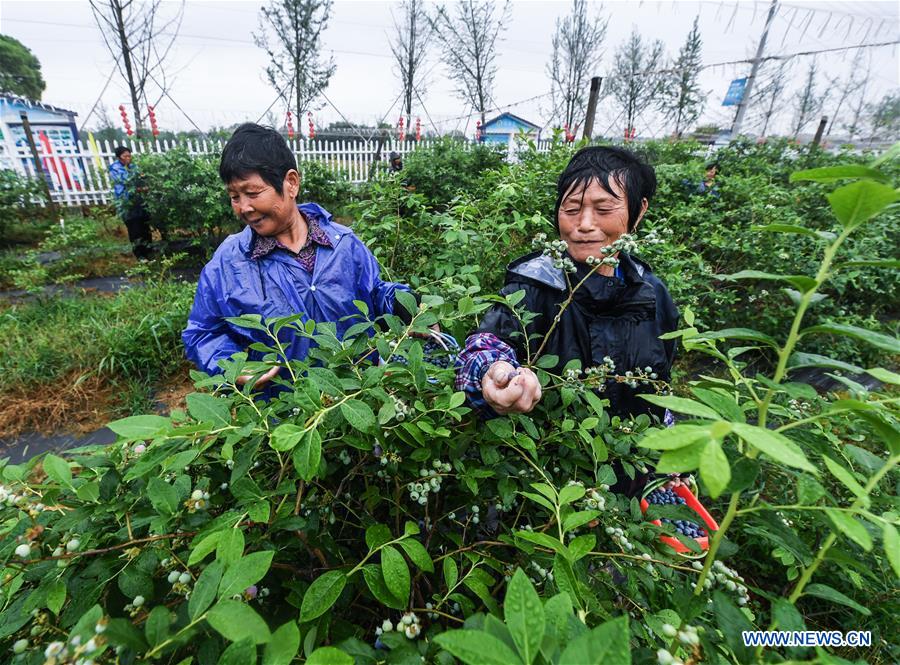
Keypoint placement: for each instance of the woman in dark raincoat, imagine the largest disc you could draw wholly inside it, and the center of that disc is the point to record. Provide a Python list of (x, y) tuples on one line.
[(290, 259), (617, 315)]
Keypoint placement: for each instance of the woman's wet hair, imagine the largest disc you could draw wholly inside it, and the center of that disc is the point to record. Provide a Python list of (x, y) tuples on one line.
[(254, 149), (604, 163)]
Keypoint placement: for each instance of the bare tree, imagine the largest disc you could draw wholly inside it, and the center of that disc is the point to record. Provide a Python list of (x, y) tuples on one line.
[(637, 81), (468, 39), (411, 35), (682, 100), (809, 102), (139, 40), (296, 69), (768, 94), (855, 126), (849, 86), (885, 117), (577, 50)]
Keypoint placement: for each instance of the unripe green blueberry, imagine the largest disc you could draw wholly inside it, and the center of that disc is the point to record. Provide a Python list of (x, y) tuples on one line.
[(669, 630), (73, 545), (20, 646), (23, 551), (184, 578)]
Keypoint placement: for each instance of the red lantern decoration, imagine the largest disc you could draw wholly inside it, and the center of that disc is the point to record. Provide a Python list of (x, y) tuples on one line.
[(312, 129), (401, 135), (125, 120), (290, 125), (478, 136), (630, 133), (418, 129), (151, 114)]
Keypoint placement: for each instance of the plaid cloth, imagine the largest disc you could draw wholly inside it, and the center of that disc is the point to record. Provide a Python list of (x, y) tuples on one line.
[(316, 237), (481, 351)]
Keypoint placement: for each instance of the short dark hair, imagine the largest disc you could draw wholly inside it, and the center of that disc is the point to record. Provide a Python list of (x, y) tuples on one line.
[(632, 174), (712, 165), (121, 150), (260, 150)]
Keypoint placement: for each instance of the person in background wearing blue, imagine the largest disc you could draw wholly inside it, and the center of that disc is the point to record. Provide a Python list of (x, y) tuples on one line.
[(129, 204), (708, 184), (289, 259)]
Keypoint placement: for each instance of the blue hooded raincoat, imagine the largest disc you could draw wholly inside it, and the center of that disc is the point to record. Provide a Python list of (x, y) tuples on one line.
[(276, 285)]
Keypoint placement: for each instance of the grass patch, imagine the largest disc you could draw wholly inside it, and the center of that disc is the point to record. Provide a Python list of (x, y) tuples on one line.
[(73, 362)]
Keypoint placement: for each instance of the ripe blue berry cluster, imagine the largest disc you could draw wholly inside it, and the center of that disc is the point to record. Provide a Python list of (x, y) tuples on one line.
[(440, 353), (663, 497)]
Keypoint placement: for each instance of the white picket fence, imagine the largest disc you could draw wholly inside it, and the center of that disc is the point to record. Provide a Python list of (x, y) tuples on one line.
[(81, 177)]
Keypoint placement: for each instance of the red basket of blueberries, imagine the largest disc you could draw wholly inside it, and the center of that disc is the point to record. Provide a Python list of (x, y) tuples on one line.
[(680, 494)]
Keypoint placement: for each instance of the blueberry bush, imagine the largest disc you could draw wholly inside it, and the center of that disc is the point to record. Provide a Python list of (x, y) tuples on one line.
[(365, 514)]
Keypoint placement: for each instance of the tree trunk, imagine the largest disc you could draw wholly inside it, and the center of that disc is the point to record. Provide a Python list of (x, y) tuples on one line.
[(126, 57)]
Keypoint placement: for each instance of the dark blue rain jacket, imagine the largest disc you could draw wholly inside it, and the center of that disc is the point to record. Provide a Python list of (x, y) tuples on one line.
[(276, 285)]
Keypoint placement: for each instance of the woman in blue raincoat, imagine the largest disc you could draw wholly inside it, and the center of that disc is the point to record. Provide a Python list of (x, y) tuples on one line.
[(290, 259)]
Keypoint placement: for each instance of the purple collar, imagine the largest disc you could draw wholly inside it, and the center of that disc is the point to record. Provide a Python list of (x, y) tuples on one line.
[(316, 237)]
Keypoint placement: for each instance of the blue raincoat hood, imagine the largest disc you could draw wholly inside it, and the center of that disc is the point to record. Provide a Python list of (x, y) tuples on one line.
[(276, 285)]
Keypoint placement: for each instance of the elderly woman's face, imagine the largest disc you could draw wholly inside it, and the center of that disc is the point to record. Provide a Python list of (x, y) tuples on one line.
[(260, 206), (591, 218)]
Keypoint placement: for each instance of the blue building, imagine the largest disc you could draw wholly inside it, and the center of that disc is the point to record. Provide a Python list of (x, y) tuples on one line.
[(55, 136), (498, 130)]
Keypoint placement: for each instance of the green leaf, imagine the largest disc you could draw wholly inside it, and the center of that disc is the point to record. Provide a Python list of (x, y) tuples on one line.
[(156, 628), (607, 644), (475, 647), (670, 438), (681, 460), (885, 376), (283, 646), (375, 581), (247, 570), (827, 593), (524, 616), (577, 519), (784, 228), (714, 468), (892, 546), (136, 428), (163, 496), (230, 547), (242, 652), (828, 174), (844, 476), (724, 404), (851, 528), (204, 592), (858, 202), (89, 492), (418, 554), (682, 405), (236, 621), (329, 656), (798, 360), (58, 470), (802, 282), (538, 499), (209, 409), (541, 539), (322, 594), (377, 535), (775, 445), (359, 414), (547, 361), (884, 342), (874, 263), (395, 571), (308, 455), (56, 596), (204, 547), (570, 494), (740, 333), (451, 573), (580, 546), (286, 436)]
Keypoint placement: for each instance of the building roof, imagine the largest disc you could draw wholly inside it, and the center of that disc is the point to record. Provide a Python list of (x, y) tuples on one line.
[(15, 99), (512, 117)]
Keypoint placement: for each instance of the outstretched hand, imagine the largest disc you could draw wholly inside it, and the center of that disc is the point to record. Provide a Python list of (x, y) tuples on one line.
[(510, 390), (261, 381)]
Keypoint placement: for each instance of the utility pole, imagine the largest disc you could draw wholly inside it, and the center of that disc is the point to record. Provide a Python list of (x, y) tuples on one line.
[(818, 137), (748, 89), (592, 106)]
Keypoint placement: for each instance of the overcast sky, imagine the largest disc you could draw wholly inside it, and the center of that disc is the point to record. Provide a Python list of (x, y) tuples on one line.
[(220, 80)]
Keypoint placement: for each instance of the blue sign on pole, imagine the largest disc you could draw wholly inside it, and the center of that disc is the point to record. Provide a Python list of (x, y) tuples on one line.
[(735, 92)]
